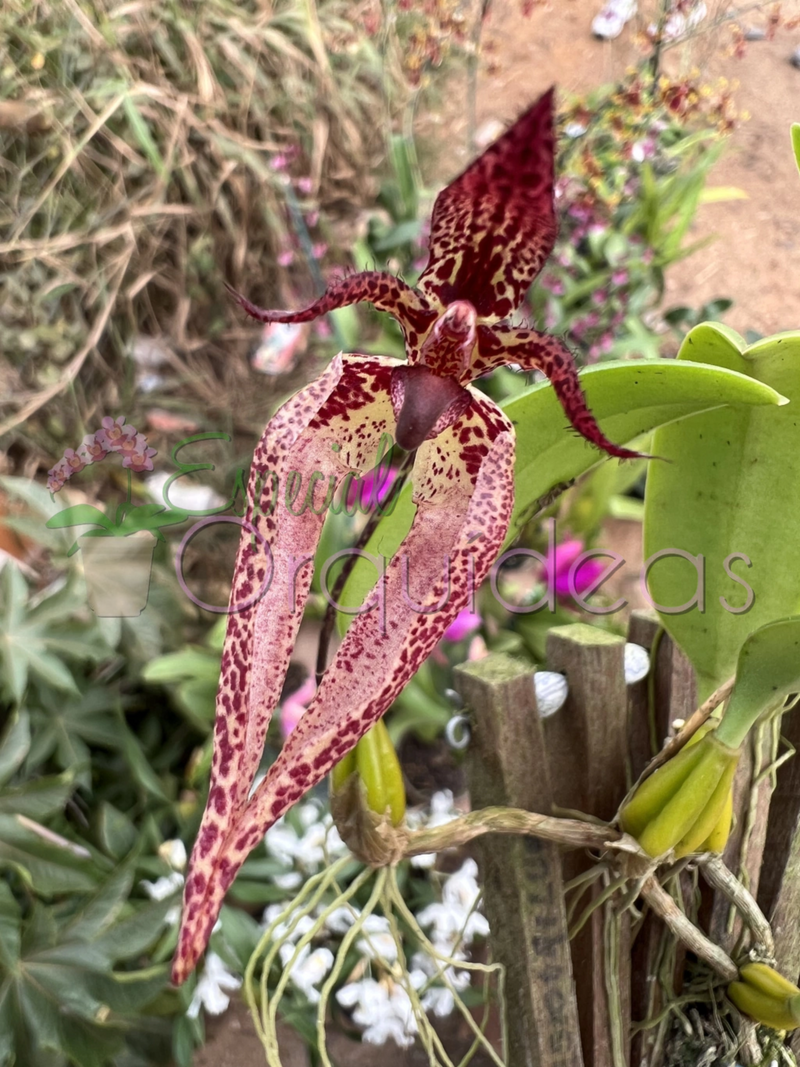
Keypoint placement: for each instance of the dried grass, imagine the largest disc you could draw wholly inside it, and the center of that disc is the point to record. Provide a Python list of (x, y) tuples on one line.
[(136, 149)]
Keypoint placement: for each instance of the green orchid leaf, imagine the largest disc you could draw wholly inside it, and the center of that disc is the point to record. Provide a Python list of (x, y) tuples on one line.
[(629, 398), (150, 517), (796, 142), (15, 745), (767, 672), (731, 494), (80, 515)]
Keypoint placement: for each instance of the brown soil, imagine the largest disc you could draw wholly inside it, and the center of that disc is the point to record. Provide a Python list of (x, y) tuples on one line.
[(755, 260)]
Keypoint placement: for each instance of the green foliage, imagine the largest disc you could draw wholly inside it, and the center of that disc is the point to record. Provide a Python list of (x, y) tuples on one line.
[(731, 486), (89, 779), (796, 142), (128, 519)]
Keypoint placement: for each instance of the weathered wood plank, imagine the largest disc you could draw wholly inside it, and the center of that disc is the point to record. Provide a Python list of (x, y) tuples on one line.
[(522, 882), (587, 753)]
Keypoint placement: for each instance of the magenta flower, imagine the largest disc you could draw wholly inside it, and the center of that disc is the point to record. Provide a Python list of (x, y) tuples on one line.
[(293, 707), (285, 258), (370, 490), (583, 575), (464, 624)]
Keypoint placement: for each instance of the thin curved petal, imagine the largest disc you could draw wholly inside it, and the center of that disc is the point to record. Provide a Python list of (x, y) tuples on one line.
[(532, 350), (494, 226), (384, 291), (464, 492), (328, 429)]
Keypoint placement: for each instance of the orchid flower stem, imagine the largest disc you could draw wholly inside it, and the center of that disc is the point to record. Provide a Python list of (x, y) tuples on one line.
[(330, 610), (130, 488)]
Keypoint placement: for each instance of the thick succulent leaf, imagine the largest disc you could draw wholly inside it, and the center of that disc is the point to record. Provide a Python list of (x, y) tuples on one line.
[(768, 670), (330, 428), (732, 486), (494, 226), (629, 398), (384, 291), (464, 494)]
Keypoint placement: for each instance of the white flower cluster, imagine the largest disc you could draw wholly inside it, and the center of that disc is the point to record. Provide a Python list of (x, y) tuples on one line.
[(384, 1008), (318, 843), (442, 811)]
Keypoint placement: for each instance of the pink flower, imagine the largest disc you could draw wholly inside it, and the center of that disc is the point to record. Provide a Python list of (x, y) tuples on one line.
[(57, 476), (114, 432), (72, 461), (312, 218), (129, 445), (566, 555), (285, 258), (305, 185), (464, 624), (619, 277), (367, 492), (92, 450), (294, 706), (318, 250), (599, 296), (139, 461)]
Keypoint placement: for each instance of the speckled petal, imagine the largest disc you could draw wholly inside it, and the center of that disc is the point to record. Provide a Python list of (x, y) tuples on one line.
[(464, 490), (331, 427), (532, 350), (384, 291), (494, 226)]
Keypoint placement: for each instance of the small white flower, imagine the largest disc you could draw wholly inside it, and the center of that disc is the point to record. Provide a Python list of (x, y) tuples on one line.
[(281, 931), (378, 941), (382, 1013), (163, 887), (289, 880), (455, 920), (174, 853), (574, 129), (341, 919), (210, 991), (308, 969)]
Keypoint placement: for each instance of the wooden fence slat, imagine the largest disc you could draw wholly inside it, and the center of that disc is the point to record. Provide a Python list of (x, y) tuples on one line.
[(587, 755), (522, 882)]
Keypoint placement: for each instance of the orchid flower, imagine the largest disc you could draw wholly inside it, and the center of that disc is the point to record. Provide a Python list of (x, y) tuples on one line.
[(492, 230)]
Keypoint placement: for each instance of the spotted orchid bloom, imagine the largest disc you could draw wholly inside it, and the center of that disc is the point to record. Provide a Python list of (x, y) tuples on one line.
[(492, 230)]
